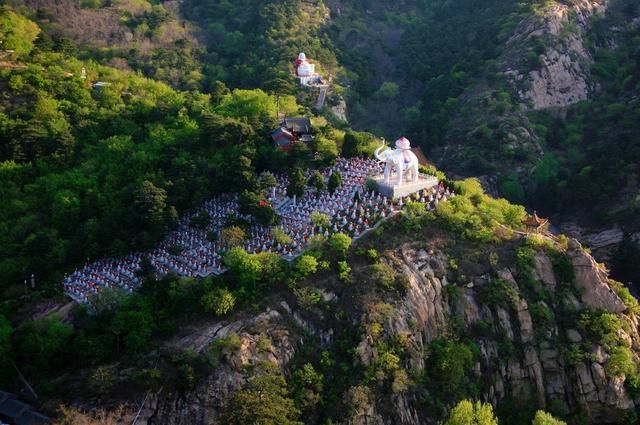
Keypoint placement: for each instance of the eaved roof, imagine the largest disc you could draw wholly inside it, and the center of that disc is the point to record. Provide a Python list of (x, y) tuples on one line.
[(299, 125), (281, 132), (535, 221)]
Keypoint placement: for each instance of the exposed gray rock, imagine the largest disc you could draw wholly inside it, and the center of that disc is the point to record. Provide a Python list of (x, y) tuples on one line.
[(526, 324), (564, 75), (543, 270), (592, 281), (574, 336)]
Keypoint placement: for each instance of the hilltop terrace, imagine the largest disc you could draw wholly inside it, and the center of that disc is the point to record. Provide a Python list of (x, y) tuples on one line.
[(190, 250)]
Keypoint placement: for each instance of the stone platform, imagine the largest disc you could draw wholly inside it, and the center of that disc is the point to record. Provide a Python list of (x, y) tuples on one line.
[(393, 191)]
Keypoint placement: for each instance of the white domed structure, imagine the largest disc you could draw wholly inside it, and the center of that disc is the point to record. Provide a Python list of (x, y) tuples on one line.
[(306, 69)]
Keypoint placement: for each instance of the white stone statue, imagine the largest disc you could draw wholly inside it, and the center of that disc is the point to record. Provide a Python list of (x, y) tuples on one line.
[(400, 159)]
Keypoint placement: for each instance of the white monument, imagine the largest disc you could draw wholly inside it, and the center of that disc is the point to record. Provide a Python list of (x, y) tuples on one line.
[(401, 176)]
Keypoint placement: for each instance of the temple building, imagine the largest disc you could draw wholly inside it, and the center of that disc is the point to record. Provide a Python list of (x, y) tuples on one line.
[(291, 131)]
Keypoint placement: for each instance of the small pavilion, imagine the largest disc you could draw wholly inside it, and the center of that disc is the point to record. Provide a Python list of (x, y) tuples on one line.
[(534, 223)]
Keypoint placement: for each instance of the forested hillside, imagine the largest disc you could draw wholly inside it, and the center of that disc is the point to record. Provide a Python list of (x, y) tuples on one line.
[(101, 165)]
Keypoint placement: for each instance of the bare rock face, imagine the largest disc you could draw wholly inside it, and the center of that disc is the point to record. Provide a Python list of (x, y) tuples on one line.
[(543, 269), (563, 77), (593, 281), (539, 371), (202, 404)]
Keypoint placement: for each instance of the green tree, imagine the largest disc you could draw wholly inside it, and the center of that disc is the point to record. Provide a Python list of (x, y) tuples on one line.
[(316, 180), (232, 236), (135, 328), (150, 202), (267, 180), (16, 32), (220, 301), (357, 144), (246, 267), (544, 418), (43, 347), (388, 91), (468, 413), (306, 265), (339, 244), (221, 131), (335, 181), (326, 150), (306, 387), (320, 219), (296, 183), (450, 360), (264, 400)]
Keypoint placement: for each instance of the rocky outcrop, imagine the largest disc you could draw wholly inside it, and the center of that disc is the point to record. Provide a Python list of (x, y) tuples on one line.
[(536, 369), (592, 280), (202, 404), (539, 371), (563, 76)]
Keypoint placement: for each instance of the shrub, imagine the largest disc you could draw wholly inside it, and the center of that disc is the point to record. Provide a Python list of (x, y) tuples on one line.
[(544, 418), (263, 343), (415, 209), (500, 293), (451, 292), (308, 296), (358, 399), (630, 302), (603, 326), (563, 268), (220, 347), (575, 355), (621, 363), (339, 244), (541, 314), (344, 271), (103, 379), (384, 275), (468, 413), (388, 361), (147, 379), (401, 381), (219, 301), (372, 255), (306, 265), (306, 387), (319, 219)]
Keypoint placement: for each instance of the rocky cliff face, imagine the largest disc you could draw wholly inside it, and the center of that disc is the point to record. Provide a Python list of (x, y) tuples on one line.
[(538, 369), (563, 75), (540, 372), (202, 405)]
